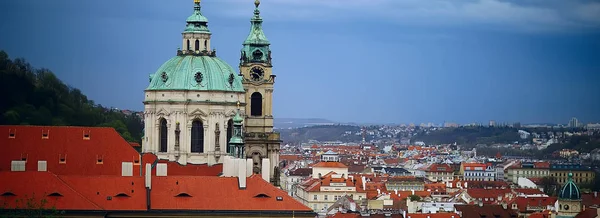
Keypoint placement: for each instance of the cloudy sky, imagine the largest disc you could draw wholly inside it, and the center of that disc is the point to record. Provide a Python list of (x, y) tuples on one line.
[(393, 61)]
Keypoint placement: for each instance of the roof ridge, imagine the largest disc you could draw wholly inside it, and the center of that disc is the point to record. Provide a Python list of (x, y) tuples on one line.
[(81, 195)]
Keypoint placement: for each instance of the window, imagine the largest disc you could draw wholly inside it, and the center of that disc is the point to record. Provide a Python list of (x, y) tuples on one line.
[(197, 45), (205, 45), (256, 104), (326, 198), (188, 45), (197, 137), (315, 198), (163, 135), (229, 133)]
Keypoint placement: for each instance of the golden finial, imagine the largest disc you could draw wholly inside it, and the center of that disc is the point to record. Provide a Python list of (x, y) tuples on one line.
[(256, 3), (238, 104), (197, 1)]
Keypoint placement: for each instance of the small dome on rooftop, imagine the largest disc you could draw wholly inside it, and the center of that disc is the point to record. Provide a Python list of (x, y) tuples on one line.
[(570, 191)]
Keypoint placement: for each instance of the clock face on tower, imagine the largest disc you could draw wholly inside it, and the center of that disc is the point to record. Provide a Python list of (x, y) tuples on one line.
[(257, 74)]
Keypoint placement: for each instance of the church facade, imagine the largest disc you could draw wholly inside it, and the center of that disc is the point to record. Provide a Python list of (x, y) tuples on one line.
[(192, 99)]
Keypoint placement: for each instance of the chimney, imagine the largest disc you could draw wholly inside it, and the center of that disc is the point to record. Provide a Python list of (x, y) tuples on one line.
[(595, 194), (395, 191), (413, 192), (266, 170), (242, 173), (161, 169), (364, 182), (378, 191), (249, 167), (42, 165), (126, 168), (226, 164), (148, 176), (17, 165), (233, 167)]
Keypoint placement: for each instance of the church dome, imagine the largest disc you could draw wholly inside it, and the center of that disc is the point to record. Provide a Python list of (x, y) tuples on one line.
[(570, 191), (196, 73)]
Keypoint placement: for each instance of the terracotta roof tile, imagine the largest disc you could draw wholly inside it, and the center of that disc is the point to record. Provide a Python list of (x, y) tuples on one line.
[(219, 193), (93, 156), (330, 165)]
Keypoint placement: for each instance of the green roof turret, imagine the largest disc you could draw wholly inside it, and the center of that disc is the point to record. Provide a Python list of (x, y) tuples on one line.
[(256, 45), (570, 191), (197, 22), (236, 143)]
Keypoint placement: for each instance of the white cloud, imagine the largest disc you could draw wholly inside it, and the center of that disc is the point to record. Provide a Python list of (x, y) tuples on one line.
[(523, 14)]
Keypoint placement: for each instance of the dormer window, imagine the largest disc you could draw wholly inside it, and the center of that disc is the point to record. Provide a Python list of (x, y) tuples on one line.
[(99, 159), (262, 195), (122, 195), (86, 135), (45, 134), (62, 159), (55, 194), (12, 133), (8, 194), (183, 194)]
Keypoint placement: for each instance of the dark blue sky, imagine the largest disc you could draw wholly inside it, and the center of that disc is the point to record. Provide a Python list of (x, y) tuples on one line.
[(393, 61)]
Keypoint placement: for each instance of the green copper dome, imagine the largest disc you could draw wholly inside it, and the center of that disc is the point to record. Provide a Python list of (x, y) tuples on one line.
[(196, 73), (570, 191)]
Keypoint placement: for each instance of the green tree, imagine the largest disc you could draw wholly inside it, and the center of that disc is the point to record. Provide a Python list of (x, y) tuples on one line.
[(38, 97), (30, 207)]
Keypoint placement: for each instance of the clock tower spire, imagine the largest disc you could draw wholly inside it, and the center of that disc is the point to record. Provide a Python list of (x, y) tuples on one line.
[(256, 68)]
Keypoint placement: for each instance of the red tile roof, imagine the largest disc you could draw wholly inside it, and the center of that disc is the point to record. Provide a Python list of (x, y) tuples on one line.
[(177, 169), (126, 193), (219, 193), (135, 144), (39, 185), (440, 168), (330, 165), (533, 203), (528, 191), (100, 154), (432, 215), (292, 157)]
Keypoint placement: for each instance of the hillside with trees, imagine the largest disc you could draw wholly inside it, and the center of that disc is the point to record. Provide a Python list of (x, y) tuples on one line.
[(38, 97), (469, 135)]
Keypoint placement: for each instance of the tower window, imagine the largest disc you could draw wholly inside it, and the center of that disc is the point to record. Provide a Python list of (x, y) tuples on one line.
[(163, 135), (205, 45), (197, 45), (229, 133), (197, 137), (188, 45), (257, 55), (256, 104)]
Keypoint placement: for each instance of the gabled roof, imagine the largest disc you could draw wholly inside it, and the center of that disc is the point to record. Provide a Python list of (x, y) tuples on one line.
[(219, 193), (67, 150), (330, 165), (125, 193), (38, 185), (440, 168)]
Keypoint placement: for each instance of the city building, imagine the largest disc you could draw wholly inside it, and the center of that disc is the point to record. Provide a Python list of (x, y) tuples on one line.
[(439, 172), (527, 170), (192, 98), (580, 174), (477, 172), (574, 123)]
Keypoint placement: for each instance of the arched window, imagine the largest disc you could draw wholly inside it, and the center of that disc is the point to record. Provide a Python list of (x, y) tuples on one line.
[(188, 45), (163, 135), (205, 45), (197, 137), (197, 45), (256, 104), (229, 133)]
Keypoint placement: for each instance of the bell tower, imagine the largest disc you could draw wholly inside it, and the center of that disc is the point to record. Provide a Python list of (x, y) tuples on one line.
[(256, 68)]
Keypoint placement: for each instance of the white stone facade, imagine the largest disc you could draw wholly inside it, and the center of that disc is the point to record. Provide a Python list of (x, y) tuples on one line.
[(211, 108)]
